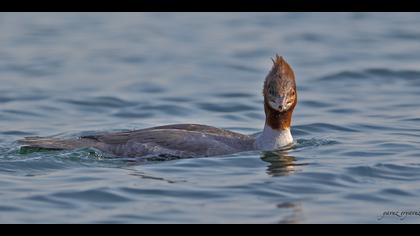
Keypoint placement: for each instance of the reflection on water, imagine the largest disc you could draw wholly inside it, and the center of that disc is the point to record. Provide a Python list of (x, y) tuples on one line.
[(296, 215), (281, 163)]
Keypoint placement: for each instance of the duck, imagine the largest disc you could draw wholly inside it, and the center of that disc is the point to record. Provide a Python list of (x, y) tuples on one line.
[(197, 140)]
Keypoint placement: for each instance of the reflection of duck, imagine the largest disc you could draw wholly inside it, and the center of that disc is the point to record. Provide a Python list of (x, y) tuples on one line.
[(296, 212), (280, 163), (193, 140)]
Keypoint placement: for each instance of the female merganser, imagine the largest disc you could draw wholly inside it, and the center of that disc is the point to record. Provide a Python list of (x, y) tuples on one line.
[(193, 140)]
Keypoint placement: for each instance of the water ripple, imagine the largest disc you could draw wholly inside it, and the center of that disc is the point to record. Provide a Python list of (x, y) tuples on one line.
[(386, 171), (378, 73), (16, 132), (37, 67), (224, 107), (324, 127), (92, 196), (233, 95), (112, 102)]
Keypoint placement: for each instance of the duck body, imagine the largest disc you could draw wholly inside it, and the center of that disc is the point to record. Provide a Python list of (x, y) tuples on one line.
[(195, 140), (179, 140)]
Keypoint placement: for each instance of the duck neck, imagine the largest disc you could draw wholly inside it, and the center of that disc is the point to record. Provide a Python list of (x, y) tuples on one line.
[(276, 131), (277, 120), (271, 139)]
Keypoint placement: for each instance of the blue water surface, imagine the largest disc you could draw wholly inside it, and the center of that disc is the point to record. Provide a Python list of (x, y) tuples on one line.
[(357, 123)]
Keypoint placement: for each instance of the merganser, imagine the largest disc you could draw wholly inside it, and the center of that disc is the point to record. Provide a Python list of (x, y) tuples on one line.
[(195, 140)]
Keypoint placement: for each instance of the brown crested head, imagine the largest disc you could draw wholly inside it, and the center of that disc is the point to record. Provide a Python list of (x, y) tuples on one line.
[(280, 95)]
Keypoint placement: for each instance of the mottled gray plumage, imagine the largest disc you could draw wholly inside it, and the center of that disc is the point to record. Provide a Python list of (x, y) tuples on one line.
[(181, 140)]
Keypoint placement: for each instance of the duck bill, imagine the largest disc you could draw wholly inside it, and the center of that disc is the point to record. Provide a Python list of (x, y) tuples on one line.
[(278, 103)]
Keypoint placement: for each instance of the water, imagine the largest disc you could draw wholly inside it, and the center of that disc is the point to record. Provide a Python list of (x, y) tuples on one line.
[(356, 124)]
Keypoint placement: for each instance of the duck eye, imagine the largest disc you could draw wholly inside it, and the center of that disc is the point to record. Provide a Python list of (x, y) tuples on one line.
[(272, 91)]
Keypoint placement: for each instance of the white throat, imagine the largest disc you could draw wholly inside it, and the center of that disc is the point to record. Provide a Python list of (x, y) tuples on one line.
[(271, 139)]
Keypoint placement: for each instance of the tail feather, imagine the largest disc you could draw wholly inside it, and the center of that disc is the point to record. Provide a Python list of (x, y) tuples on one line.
[(56, 144)]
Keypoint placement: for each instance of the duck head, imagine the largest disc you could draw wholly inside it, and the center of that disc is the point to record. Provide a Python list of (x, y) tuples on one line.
[(280, 95)]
